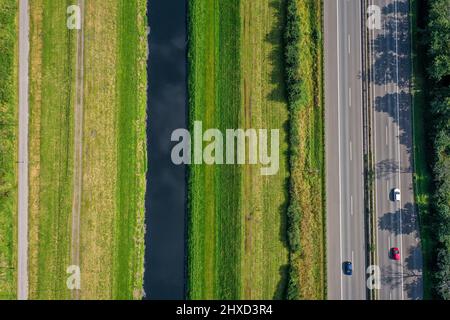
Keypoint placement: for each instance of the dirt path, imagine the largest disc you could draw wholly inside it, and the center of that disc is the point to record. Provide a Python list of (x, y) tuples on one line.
[(24, 49), (78, 147)]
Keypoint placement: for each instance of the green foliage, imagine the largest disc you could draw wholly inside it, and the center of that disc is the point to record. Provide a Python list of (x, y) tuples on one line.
[(293, 231), (292, 54), (437, 39), (293, 290), (293, 92), (303, 80), (442, 276)]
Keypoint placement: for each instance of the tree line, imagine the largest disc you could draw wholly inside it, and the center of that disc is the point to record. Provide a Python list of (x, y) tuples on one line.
[(293, 94), (436, 38)]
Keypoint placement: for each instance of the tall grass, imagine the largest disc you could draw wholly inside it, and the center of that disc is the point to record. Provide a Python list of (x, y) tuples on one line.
[(303, 76)]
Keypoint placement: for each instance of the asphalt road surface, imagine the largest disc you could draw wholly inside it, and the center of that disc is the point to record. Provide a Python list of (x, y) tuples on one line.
[(390, 104), (22, 257), (397, 222), (344, 148)]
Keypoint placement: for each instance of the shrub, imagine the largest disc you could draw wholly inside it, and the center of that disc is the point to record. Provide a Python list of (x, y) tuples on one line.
[(292, 54), (293, 291)]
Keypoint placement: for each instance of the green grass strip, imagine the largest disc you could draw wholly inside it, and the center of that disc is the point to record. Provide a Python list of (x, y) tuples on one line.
[(8, 147)]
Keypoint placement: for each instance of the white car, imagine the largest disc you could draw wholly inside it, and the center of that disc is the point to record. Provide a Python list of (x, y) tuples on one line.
[(397, 196)]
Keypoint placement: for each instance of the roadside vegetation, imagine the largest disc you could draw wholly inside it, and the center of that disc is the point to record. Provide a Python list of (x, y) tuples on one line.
[(8, 147), (114, 149), (431, 24), (238, 237), (304, 84)]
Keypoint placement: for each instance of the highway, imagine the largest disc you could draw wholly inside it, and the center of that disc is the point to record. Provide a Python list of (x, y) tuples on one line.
[(344, 149), (388, 80), (389, 83), (22, 247)]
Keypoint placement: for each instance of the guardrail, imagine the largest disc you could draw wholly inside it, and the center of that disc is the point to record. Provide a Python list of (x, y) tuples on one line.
[(369, 189)]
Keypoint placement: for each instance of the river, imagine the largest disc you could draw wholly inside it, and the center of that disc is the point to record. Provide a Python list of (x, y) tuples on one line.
[(164, 276)]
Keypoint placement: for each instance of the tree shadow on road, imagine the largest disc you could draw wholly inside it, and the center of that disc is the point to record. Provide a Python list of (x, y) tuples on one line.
[(398, 108), (388, 167), (392, 47), (391, 221), (410, 274), (392, 65)]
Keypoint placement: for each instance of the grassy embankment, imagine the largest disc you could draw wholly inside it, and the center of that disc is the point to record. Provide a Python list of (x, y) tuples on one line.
[(422, 173), (215, 222), (113, 181), (52, 84), (237, 221), (114, 164), (304, 77), (132, 80), (236, 240), (8, 147)]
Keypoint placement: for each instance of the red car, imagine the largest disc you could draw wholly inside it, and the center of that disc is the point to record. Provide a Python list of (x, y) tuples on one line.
[(395, 254)]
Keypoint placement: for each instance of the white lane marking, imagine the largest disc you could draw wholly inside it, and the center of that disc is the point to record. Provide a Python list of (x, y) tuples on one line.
[(387, 136), (350, 97), (353, 257), (360, 110), (339, 147), (351, 205), (351, 151), (385, 82), (389, 241), (349, 43), (398, 137)]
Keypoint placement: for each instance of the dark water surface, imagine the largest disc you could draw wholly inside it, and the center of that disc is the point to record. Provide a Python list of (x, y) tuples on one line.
[(164, 276)]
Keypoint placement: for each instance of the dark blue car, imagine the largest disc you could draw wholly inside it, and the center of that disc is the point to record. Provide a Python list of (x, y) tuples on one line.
[(348, 268)]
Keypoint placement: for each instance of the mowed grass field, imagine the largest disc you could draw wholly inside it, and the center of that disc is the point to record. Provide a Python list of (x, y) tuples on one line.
[(263, 213), (237, 218), (114, 149), (52, 93), (114, 164), (8, 146)]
